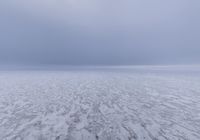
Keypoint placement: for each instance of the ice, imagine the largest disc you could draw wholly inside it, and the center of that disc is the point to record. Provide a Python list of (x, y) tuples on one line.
[(120, 103)]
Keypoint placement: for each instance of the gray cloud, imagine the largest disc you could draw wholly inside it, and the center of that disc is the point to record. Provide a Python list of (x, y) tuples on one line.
[(91, 32)]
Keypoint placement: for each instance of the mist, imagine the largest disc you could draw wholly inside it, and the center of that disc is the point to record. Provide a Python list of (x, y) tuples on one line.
[(99, 69)]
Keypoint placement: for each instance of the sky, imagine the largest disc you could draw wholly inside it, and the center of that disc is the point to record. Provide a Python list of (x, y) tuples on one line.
[(99, 32)]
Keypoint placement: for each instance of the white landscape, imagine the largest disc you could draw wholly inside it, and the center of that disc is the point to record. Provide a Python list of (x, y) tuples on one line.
[(119, 103)]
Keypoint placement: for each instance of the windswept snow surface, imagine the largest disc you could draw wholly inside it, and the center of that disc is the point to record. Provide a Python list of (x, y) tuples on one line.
[(119, 103)]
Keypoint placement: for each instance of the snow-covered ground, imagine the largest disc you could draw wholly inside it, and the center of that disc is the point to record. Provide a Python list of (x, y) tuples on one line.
[(125, 103)]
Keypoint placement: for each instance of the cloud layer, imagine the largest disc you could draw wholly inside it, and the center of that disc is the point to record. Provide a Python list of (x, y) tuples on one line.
[(92, 32)]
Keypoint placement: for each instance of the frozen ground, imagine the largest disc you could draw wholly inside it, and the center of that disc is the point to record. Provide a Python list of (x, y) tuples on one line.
[(138, 103)]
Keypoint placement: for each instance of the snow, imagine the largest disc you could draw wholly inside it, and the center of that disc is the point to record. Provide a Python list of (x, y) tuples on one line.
[(130, 103)]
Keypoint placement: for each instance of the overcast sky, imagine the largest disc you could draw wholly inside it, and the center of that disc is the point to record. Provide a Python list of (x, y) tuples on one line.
[(99, 32)]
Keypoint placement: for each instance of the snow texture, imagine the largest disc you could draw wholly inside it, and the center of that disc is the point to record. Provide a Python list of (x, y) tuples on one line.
[(125, 103)]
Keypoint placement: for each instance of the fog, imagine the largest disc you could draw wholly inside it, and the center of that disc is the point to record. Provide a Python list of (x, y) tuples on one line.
[(94, 32)]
